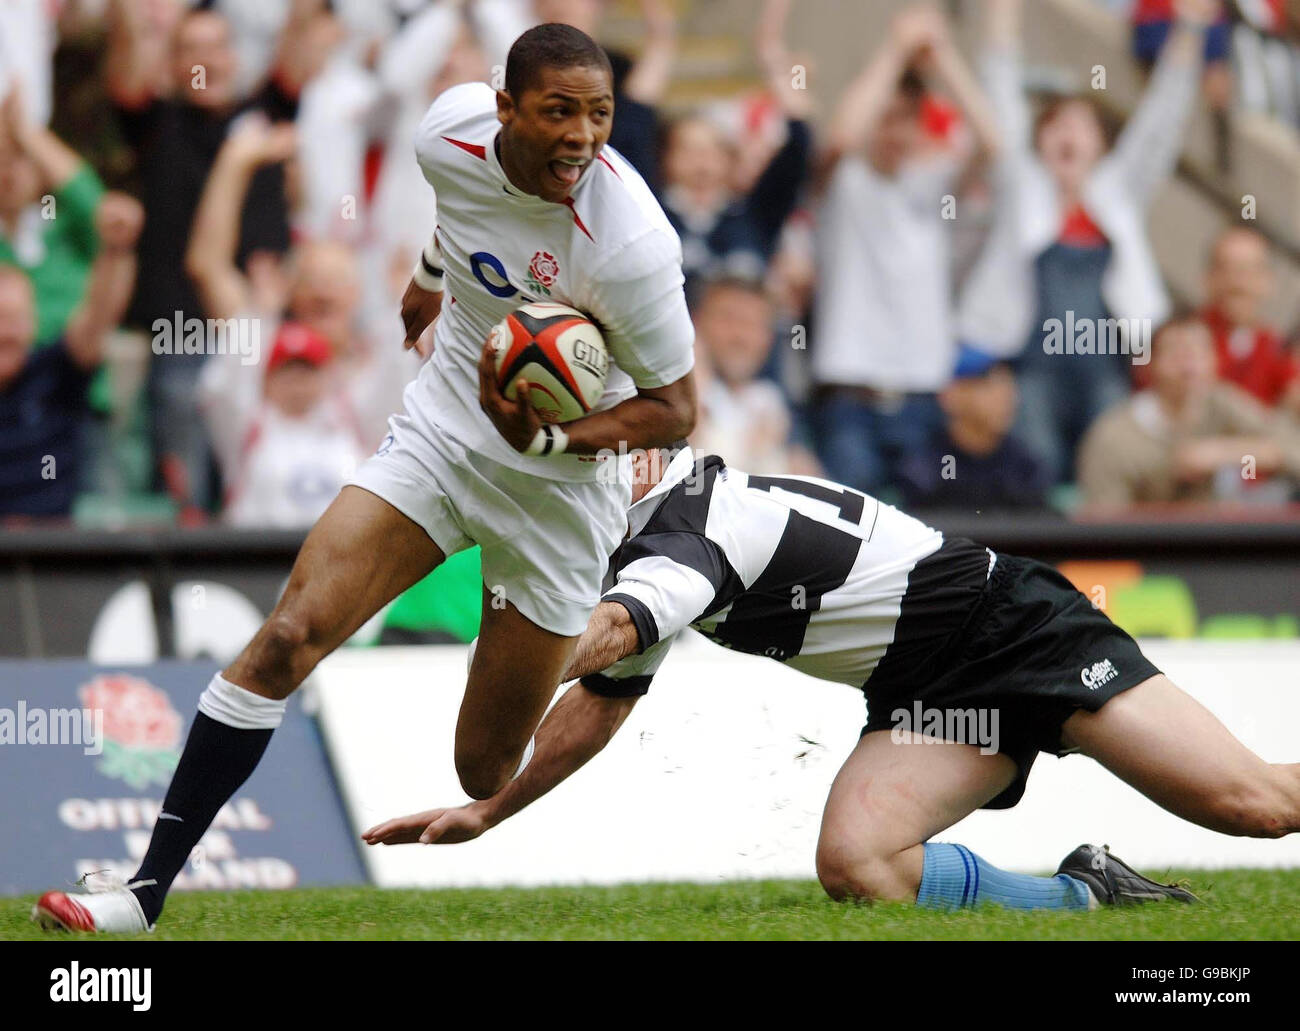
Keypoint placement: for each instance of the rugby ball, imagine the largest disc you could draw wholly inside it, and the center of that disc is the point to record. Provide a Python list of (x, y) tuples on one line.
[(558, 352)]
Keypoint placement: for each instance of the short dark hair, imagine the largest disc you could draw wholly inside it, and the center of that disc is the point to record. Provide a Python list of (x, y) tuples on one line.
[(708, 286), (550, 45), (911, 85)]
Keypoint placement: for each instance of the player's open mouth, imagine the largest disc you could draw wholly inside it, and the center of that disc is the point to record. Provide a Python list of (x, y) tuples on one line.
[(568, 170)]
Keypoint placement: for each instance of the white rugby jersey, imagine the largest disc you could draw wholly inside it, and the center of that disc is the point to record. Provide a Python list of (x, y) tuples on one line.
[(609, 251), (802, 570)]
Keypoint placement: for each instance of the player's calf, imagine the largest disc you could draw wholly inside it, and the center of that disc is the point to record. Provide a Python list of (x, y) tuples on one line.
[(512, 678), (1176, 752), (887, 803)]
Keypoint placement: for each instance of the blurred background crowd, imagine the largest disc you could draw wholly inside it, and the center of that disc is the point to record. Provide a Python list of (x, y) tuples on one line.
[(927, 255)]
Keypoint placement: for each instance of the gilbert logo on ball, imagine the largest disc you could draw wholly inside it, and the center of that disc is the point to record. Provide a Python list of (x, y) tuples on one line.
[(558, 352)]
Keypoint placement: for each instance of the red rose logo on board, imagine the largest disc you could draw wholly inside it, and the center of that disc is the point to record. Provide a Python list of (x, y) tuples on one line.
[(142, 732), (543, 271)]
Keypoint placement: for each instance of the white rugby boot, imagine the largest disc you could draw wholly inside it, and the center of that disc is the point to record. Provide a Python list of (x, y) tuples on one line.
[(106, 907)]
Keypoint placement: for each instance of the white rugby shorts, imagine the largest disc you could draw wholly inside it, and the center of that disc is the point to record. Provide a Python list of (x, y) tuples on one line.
[(546, 543)]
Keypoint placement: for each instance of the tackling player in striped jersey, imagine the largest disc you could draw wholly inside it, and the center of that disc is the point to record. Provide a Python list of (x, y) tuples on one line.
[(845, 588)]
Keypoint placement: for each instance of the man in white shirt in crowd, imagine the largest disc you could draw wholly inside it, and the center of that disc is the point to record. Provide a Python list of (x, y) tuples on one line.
[(883, 336)]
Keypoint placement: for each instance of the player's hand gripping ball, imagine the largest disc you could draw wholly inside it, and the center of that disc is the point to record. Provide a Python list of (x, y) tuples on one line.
[(558, 352)]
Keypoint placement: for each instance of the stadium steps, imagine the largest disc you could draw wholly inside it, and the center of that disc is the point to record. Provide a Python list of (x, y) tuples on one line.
[(715, 59)]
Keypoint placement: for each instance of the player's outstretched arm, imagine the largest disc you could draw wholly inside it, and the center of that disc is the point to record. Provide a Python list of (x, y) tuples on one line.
[(580, 725), (610, 635), (577, 728)]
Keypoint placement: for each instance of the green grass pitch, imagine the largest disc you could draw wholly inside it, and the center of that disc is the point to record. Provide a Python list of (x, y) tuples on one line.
[(1238, 904)]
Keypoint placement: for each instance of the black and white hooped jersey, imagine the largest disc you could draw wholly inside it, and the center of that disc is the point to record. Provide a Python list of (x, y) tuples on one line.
[(807, 572)]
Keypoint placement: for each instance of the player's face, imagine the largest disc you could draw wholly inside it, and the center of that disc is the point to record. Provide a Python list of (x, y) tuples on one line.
[(555, 131), (647, 471)]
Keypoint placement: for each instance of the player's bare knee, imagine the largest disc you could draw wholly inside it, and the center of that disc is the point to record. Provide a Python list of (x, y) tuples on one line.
[(858, 876), (868, 881), (1253, 811), (288, 634), (1288, 780), (481, 778), (281, 654)]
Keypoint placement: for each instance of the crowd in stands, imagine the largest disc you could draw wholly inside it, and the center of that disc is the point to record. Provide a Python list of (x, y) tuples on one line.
[(945, 293)]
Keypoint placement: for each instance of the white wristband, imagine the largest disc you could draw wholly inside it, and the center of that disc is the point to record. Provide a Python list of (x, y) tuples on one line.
[(427, 272), (550, 440)]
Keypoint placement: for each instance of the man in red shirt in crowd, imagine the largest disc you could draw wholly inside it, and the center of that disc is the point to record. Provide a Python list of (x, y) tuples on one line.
[(1251, 354)]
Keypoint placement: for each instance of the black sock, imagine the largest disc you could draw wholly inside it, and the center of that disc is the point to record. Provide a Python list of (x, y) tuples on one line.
[(216, 761)]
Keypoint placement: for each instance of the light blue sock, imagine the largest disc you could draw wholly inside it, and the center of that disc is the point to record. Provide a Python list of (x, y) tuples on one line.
[(954, 877)]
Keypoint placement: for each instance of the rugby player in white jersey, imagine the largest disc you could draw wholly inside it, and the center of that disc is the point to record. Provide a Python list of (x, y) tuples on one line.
[(531, 206), (914, 619)]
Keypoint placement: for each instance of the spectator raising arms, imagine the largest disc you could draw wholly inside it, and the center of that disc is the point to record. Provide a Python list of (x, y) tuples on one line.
[(48, 197), (722, 234), (1189, 437), (433, 51), (639, 86), (1078, 253), (176, 105), (884, 339), (43, 392), (322, 381)]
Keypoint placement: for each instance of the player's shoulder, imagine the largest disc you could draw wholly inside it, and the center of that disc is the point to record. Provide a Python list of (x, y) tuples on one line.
[(632, 234), (463, 112)]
